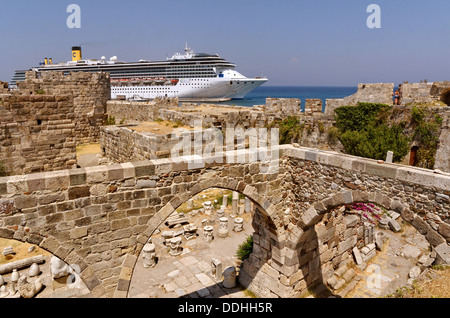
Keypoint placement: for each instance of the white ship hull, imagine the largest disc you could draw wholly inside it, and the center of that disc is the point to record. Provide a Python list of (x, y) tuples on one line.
[(205, 89)]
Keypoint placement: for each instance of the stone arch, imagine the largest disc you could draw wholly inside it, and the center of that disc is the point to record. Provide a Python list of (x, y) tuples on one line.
[(56, 248), (302, 252), (316, 211), (262, 204)]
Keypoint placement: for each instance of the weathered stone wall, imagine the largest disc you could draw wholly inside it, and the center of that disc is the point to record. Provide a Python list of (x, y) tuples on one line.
[(37, 133), (313, 106), (90, 94), (224, 118), (47, 116), (139, 111), (429, 93), (99, 218), (4, 87), (322, 237), (121, 144), (369, 93), (442, 159), (286, 106)]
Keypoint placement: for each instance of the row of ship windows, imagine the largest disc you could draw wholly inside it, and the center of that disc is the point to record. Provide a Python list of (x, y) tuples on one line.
[(166, 74), (151, 88)]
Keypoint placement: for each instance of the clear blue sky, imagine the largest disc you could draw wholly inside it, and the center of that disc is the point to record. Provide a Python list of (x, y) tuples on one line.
[(293, 42)]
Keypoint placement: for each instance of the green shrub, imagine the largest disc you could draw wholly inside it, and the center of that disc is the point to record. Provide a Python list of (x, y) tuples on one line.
[(111, 121), (321, 127), (375, 141), (363, 131), (333, 135), (356, 118), (245, 249), (427, 135), (290, 130)]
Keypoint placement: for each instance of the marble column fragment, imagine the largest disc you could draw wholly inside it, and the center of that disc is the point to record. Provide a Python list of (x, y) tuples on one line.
[(208, 233), (223, 227), (229, 277)]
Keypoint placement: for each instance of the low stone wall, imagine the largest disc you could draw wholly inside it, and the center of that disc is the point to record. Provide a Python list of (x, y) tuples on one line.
[(121, 144), (139, 111)]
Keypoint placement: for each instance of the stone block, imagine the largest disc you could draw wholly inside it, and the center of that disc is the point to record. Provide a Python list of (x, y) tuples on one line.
[(96, 174), (310, 217), (57, 180), (78, 192), (442, 254), (394, 225), (145, 184), (25, 202), (77, 177), (36, 182), (348, 275), (357, 255), (410, 251), (351, 220)]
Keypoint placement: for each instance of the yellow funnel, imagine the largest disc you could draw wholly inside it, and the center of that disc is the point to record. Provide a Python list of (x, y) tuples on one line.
[(76, 53)]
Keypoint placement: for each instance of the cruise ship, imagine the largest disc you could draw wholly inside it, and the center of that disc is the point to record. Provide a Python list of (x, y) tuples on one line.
[(190, 76)]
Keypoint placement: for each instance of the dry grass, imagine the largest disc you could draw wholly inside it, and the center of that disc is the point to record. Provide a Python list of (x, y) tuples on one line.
[(435, 284), (21, 250), (210, 195), (161, 127), (88, 149)]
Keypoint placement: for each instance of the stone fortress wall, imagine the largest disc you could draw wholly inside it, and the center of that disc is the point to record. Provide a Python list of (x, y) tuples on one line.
[(43, 121), (90, 92), (99, 218), (317, 123)]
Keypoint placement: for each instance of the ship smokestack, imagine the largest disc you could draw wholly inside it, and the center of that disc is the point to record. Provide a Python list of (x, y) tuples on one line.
[(76, 53), (45, 61)]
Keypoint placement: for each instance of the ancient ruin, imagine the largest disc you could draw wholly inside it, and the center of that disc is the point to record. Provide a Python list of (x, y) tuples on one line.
[(315, 221)]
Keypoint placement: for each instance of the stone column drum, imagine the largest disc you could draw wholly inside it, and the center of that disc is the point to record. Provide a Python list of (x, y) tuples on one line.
[(238, 225), (208, 207), (225, 201), (223, 227), (229, 277), (208, 233), (175, 246), (248, 205), (149, 255), (235, 204), (220, 213)]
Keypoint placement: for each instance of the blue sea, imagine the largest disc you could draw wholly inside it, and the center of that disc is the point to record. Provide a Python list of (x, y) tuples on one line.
[(259, 95)]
